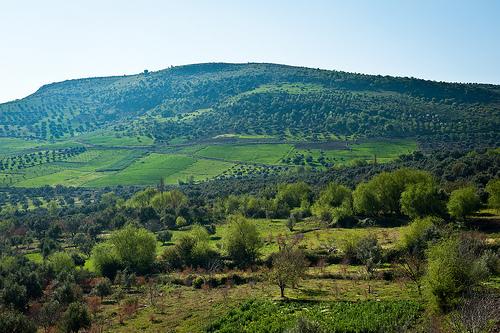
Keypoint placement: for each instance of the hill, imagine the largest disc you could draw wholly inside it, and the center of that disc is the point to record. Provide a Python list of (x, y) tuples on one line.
[(199, 102)]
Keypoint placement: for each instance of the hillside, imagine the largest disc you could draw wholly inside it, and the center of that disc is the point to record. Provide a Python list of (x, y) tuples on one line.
[(197, 102)]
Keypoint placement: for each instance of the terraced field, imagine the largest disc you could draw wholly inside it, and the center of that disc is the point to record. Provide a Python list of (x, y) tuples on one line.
[(110, 160)]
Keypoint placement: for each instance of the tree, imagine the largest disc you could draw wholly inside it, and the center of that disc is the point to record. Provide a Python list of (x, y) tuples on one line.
[(288, 264), (135, 247), (463, 202), (369, 252), (75, 318), (454, 268), (164, 236), (103, 288), (493, 190), (61, 262), (421, 199), (14, 295), (382, 194), (14, 322), (192, 249), (49, 314), (242, 240), (333, 201), (180, 222), (105, 259), (415, 242)]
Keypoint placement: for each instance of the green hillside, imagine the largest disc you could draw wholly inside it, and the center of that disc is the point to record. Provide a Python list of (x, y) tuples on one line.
[(201, 101)]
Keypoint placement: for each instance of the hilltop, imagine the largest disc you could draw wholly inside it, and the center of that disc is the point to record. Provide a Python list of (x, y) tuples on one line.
[(202, 101)]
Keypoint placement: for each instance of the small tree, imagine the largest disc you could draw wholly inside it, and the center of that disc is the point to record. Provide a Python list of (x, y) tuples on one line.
[(369, 253), (75, 318), (13, 321), (103, 288), (49, 314), (164, 236), (463, 202), (493, 190), (242, 241), (289, 264), (414, 244), (454, 268)]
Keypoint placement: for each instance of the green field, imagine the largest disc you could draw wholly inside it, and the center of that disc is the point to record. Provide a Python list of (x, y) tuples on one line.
[(113, 140), (110, 160), (261, 153)]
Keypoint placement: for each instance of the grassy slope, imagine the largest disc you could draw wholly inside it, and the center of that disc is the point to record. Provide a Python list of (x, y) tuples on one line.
[(109, 165)]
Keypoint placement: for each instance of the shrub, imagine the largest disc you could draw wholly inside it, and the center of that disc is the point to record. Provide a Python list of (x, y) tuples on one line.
[(463, 202), (61, 262), (14, 322), (75, 318), (242, 240), (453, 269), (130, 247), (493, 190)]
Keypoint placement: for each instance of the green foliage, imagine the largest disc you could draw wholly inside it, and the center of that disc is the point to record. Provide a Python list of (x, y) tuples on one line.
[(242, 241), (129, 247), (14, 295), (288, 265), (420, 232), (463, 202), (334, 204), (75, 318), (382, 194), (454, 267), (273, 317), (422, 199), (14, 322), (493, 190), (192, 249), (164, 236), (61, 262), (290, 196), (103, 287), (135, 247), (105, 259)]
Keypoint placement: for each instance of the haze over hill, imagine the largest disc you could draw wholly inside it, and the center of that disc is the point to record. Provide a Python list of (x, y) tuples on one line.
[(201, 101)]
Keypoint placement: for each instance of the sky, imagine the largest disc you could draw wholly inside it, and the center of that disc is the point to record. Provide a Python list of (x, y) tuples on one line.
[(54, 40)]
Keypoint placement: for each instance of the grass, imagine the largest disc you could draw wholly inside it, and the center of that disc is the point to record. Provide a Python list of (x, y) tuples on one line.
[(315, 236), (369, 316), (147, 170), (383, 150), (8, 146), (260, 153), (118, 141), (127, 161)]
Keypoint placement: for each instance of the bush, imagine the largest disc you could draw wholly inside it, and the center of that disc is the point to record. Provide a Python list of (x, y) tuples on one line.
[(493, 190), (164, 236), (192, 249), (198, 282), (106, 260), (130, 247), (14, 322), (242, 240), (463, 202), (454, 267), (61, 262), (75, 318)]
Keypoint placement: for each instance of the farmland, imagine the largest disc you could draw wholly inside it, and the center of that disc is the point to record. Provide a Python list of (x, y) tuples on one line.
[(109, 160)]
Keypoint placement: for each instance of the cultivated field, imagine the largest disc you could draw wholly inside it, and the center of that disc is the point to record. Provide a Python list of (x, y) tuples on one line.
[(109, 160)]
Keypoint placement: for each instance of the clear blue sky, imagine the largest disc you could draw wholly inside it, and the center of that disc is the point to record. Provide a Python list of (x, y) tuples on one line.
[(54, 40)]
